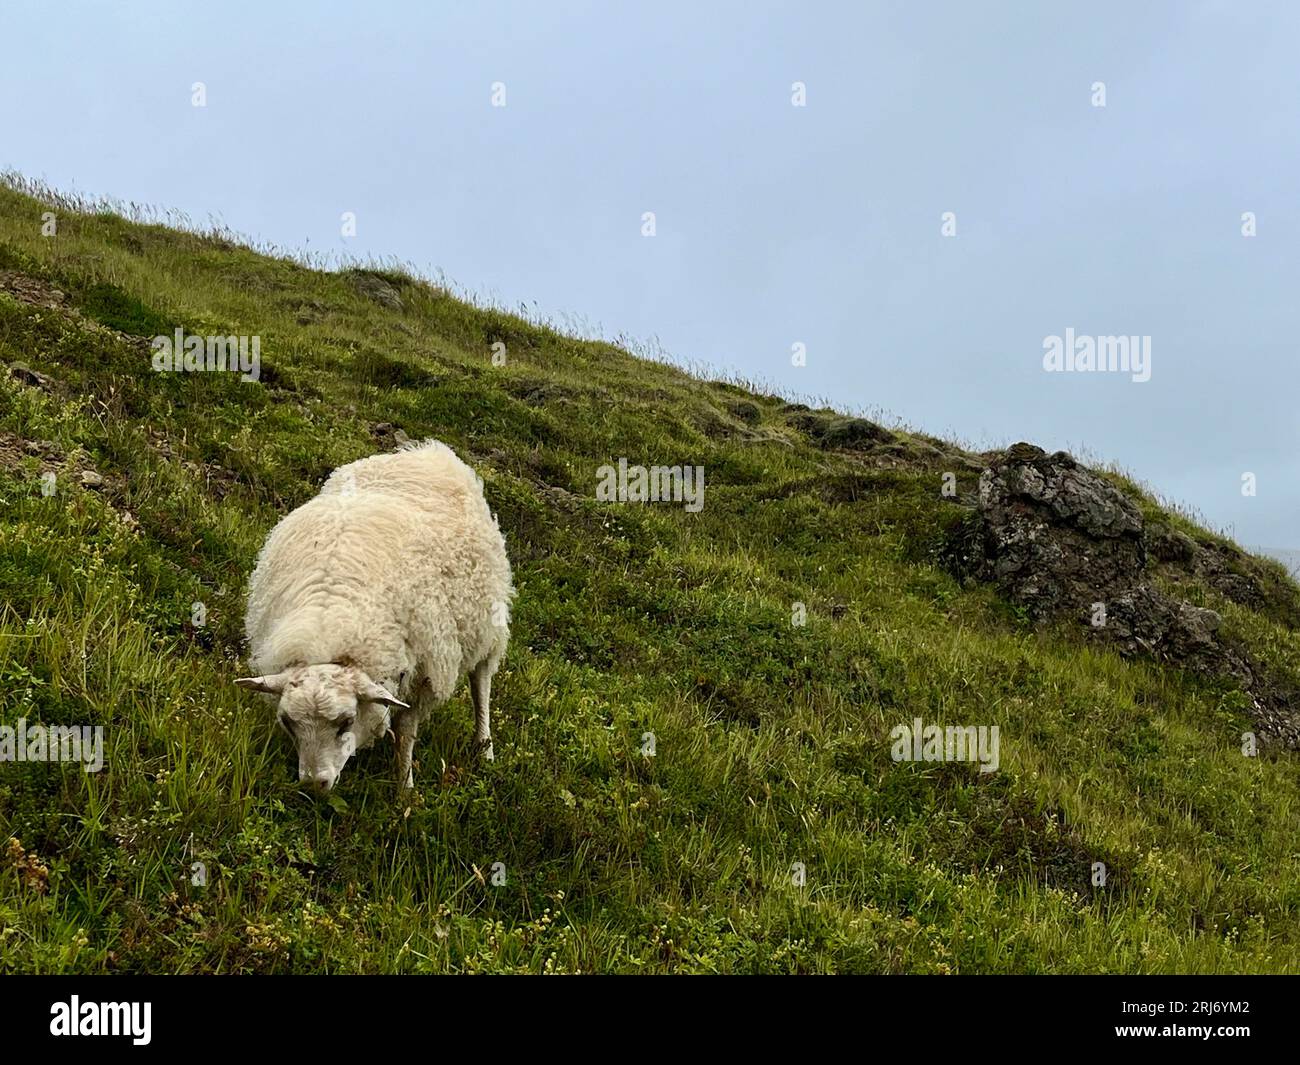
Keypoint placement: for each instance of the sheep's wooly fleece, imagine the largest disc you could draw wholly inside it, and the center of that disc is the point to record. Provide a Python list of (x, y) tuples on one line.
[(396, 567)]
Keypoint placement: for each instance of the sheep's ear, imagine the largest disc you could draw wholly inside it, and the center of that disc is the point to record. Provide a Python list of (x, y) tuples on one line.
[(272, 684), (370, 692)]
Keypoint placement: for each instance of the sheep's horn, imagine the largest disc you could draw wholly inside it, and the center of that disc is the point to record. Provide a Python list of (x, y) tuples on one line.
[(370, 692), (273, 684)]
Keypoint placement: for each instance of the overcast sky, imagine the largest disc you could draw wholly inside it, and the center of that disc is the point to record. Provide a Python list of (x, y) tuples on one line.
[(775, 224)]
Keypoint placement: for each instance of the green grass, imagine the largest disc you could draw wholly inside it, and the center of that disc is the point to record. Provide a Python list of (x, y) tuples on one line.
[(771, 739)]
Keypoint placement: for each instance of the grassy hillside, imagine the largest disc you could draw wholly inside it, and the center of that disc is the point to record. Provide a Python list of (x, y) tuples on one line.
[(771, 738)]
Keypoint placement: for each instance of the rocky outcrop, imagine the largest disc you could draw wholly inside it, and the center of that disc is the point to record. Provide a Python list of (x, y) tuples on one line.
[(1059, 540), (1055, 536)]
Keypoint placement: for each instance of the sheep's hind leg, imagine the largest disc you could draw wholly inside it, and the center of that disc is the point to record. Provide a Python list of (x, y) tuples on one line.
[(406, 724), (480, 688)]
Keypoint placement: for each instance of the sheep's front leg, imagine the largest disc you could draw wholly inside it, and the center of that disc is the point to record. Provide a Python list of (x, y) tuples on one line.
[(480, 688), (405, 726)]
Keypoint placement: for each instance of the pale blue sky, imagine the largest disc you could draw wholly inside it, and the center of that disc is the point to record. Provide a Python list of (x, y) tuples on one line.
[(776, 224)]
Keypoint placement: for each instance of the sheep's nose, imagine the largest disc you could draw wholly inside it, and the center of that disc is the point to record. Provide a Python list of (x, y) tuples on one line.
[(322, 781)]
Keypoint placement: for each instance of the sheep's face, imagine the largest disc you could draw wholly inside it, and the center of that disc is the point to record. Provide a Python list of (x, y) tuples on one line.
[(330, 712)]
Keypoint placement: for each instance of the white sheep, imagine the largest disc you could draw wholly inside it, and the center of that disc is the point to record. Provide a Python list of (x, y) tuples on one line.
[(371, 601)]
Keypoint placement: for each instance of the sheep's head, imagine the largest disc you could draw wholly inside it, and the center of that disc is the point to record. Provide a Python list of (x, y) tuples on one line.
[(331, 712)]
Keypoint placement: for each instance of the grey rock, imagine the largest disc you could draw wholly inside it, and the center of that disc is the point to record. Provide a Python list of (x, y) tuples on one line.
[(376, 288), (26, 375), (1169, 545)]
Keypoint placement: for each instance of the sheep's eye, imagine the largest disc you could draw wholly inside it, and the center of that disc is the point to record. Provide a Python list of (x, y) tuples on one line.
[(343, 728)]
